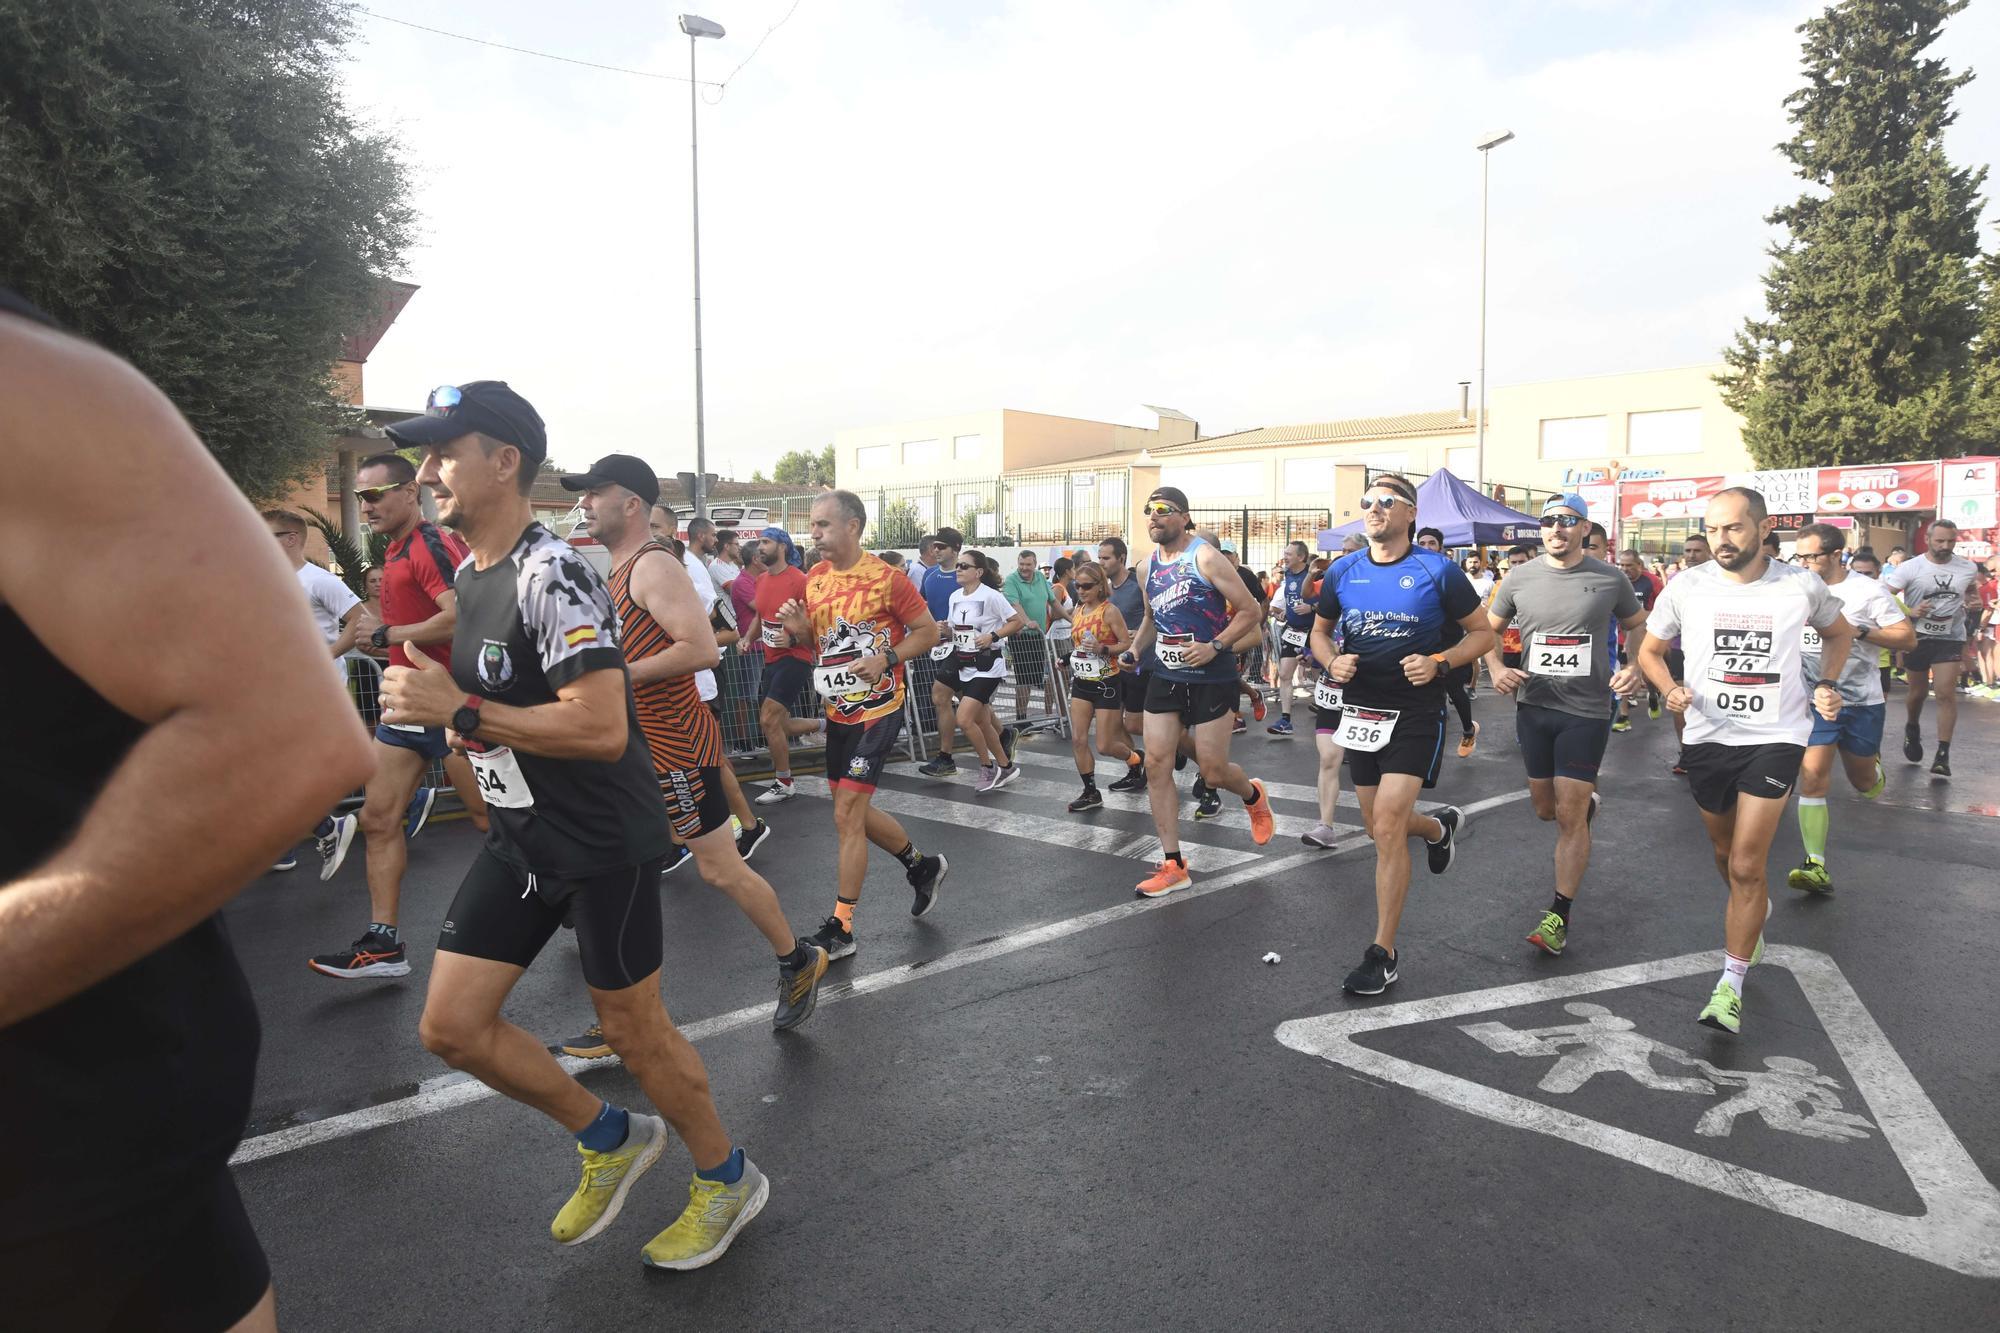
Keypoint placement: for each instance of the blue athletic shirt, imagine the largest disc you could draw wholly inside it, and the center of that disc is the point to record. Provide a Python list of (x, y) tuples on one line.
[(1291, 588), (1384, 613), (1185, 602)]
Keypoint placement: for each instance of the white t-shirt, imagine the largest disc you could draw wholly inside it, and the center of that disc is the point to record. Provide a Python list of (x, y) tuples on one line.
[(1745, 651), (981, 611), (1867, 605), (1952, 588), (722, 573), (330, 600), (1482, 583), (704, 588)]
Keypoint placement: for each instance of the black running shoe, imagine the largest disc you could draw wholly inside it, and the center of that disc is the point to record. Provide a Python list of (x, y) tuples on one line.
[(1180, 761), (1941, 766), (1007, 745), (798, 988), (938, 766), (1376, 974), (1441, 851), (1089, 800), (1134, 779), (373, 955), (925, 881), (1913, 743), (588, 1045), (1209, 804), (836, 939), (750, 839)]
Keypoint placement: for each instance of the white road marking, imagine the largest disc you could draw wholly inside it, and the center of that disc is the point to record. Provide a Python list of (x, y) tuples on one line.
[(1283, 791), (1060, 794), (1960, 1227)]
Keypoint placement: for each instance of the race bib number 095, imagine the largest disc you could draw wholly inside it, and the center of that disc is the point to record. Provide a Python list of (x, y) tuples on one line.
[(1366, 729)]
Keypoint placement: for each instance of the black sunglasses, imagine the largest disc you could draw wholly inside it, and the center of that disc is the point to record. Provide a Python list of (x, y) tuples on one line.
[(1560, 520), (967, 564)]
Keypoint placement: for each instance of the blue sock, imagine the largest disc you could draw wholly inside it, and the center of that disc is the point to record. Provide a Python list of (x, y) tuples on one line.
[(729, 1172), (607, 1131)]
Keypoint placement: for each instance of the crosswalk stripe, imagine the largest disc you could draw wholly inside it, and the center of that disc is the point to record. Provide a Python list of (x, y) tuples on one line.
[(1232, 817), (1280, 791)]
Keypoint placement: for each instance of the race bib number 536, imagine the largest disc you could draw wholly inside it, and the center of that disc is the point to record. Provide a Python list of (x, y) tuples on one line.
[(1366, 729)]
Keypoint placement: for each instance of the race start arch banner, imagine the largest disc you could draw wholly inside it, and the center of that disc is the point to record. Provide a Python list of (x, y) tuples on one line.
[(1877, 488)]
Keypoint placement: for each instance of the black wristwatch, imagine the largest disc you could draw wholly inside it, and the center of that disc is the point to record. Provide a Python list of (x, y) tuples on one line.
[(1826, 684), (465, 721), (380, 638)]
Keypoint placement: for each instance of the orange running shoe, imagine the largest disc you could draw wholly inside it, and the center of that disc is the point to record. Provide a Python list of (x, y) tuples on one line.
[(1469, 744), (1257, 705), (1261, 823), (1167, 877)]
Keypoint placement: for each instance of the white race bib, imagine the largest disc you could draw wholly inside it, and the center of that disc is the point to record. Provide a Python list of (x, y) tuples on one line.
[(1326, 694), (1559, 654), (962, 637), (501, 781), (1293, 638), (1366, 729), (1939, 629), (1172, 651), (1809, 641), (776, 636), (834, 682), (1086, 666), (941, 652), (406, 726), (1743, 696)]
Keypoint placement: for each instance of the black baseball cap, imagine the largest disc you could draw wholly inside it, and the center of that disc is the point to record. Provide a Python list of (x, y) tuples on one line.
[(486, 406), (619, 470), (1173, 495)]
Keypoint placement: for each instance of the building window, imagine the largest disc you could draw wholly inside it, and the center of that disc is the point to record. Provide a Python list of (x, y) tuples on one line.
[(967, 446), (870, 456), (1576, 437), (1677, 432), (922, 453)]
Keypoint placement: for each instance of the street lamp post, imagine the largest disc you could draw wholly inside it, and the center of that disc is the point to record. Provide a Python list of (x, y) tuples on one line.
[(1479, 455), (695, 27)]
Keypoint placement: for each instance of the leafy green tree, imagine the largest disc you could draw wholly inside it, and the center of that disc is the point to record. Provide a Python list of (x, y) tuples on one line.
[(1984, 431), (803, 467), (898, 526), (1872, 295), (180, 181)]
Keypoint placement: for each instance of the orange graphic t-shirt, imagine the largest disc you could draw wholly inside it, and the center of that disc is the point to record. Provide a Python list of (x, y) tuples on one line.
[(856, 613)]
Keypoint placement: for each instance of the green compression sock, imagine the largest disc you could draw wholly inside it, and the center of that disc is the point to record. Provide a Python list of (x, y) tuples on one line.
[(1812, 826)]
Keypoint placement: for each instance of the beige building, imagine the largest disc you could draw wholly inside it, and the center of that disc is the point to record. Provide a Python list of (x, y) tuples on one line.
[(1654, 423)]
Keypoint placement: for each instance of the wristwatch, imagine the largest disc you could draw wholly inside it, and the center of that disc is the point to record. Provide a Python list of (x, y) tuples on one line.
[(380, 638), (1824, 684), (465, 721), (1444, 663)]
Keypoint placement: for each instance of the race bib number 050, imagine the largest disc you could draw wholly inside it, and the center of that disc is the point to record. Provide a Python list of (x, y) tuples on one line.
[(1559, 654), (1743, 696), (501, 781), (1326, 695), (1366, 729)]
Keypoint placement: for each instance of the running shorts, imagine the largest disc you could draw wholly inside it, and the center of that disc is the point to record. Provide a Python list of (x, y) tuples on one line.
[(1197, 701), (187, 1264), (506, 914), (1858, 729), (856, 752), (1097, 693), (969, 687), (696, 801), (785, 679), (426, 741), (1934, 652), (1326, 721), (1716, 773), (1286, 650), (1415, 748), (1555, 744), (1132, 688)]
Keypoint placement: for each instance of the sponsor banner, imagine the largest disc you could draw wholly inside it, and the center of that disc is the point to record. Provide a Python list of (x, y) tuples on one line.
[(1968, 511), (1877, 488), (1785, 490), (1684, 497), (1971, 476), (1976, 543), (1602, 497)]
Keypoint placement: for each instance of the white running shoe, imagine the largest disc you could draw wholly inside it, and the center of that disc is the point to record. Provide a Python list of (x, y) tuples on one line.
[(776, 792)]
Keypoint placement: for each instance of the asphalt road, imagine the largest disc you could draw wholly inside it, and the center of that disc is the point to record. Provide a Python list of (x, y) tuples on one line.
[(1047, 1104)]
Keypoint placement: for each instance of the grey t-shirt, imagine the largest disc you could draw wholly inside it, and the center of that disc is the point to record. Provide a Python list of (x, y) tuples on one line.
[(1950, 588), (1564, 616), (1130, 599)]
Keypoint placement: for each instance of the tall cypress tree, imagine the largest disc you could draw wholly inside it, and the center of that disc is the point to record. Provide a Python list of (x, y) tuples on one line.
[(1872, 295)]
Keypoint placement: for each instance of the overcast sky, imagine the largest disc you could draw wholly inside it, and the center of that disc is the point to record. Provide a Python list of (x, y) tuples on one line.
[(1256, 213)]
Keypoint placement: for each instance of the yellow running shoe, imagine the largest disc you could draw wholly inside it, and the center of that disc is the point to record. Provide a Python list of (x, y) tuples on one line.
[(715, 1213), (606, 1178)]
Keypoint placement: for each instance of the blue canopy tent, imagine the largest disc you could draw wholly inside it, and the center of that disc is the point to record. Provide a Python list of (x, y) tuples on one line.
[(1463, 515)]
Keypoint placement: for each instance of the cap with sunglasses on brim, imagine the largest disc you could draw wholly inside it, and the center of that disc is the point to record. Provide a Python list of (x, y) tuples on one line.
[(1173, 495), (1576, 504), (633, 474), (486, 406)]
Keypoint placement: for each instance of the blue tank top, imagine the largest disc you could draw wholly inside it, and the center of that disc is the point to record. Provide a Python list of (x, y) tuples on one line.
[(1292, 588), (1186, 605)]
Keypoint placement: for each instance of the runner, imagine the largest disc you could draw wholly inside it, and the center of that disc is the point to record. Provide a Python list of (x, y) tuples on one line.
[(787, 666), (665, 639), (1939, 587), (537, 690), (1101, 637), (1567, 694), (1326, 698), (1128, 593), (419, 606), (979, 618), (1192, 690), (1633, 566), (865, 621), (937, 583), (127, 1030), (1741, 619), (1456, 682), (1293, 615), (1694, 554), (1389, 606), (1510, 643), (1211, 802), (1879, 623), (1864, 561)]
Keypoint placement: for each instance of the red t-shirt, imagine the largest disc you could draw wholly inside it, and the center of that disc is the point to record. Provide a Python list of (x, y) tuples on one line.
[(773, 591), (416, 571)]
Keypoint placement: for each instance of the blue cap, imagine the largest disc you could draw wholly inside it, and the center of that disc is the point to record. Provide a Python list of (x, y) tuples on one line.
[(1571, 501)]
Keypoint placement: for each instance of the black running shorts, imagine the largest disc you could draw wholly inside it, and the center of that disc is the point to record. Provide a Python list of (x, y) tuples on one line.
[(969, 687), (696, 800), (507, 914), (1415, 748), (1197, 701), (1717, 773), (1934, 652), (856, 752), (1132, 690), (187, 1264), (785, 679), (1555, 744), (1097, 693)]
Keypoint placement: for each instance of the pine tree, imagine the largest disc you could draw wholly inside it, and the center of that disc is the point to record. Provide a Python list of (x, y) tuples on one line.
[(1983, 433), (1872, 296)]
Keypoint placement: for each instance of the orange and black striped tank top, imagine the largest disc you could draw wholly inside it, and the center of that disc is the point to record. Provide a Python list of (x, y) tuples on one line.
[(1088, 633), (680, 731)]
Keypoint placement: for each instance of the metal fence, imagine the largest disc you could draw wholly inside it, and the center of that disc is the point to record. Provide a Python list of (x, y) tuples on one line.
[(1035, 674), (1076, 507), (1261, 535)]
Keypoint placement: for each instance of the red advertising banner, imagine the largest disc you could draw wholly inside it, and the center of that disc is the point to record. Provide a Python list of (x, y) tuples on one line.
[(1878, 488), (1683, 497)]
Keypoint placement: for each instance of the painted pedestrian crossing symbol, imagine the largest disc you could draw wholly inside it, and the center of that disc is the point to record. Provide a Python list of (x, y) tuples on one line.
[(1788, 1094), (1724, 1114)]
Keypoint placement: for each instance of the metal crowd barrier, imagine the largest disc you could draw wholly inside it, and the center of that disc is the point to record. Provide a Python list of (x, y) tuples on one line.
[(1025, 651)]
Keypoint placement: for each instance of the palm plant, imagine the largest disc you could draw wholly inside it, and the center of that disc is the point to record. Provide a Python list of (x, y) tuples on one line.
[(350, 558)]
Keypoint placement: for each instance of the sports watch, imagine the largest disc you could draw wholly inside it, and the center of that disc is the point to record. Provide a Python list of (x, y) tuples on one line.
[(380, 638), (465, 721)]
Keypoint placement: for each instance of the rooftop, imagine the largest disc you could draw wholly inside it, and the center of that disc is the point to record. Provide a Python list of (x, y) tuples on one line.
[(1402, 426)]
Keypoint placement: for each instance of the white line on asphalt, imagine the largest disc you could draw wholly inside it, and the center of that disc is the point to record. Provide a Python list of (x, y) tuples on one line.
[(449, 1091), (1283, 791), (1059, 794)]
